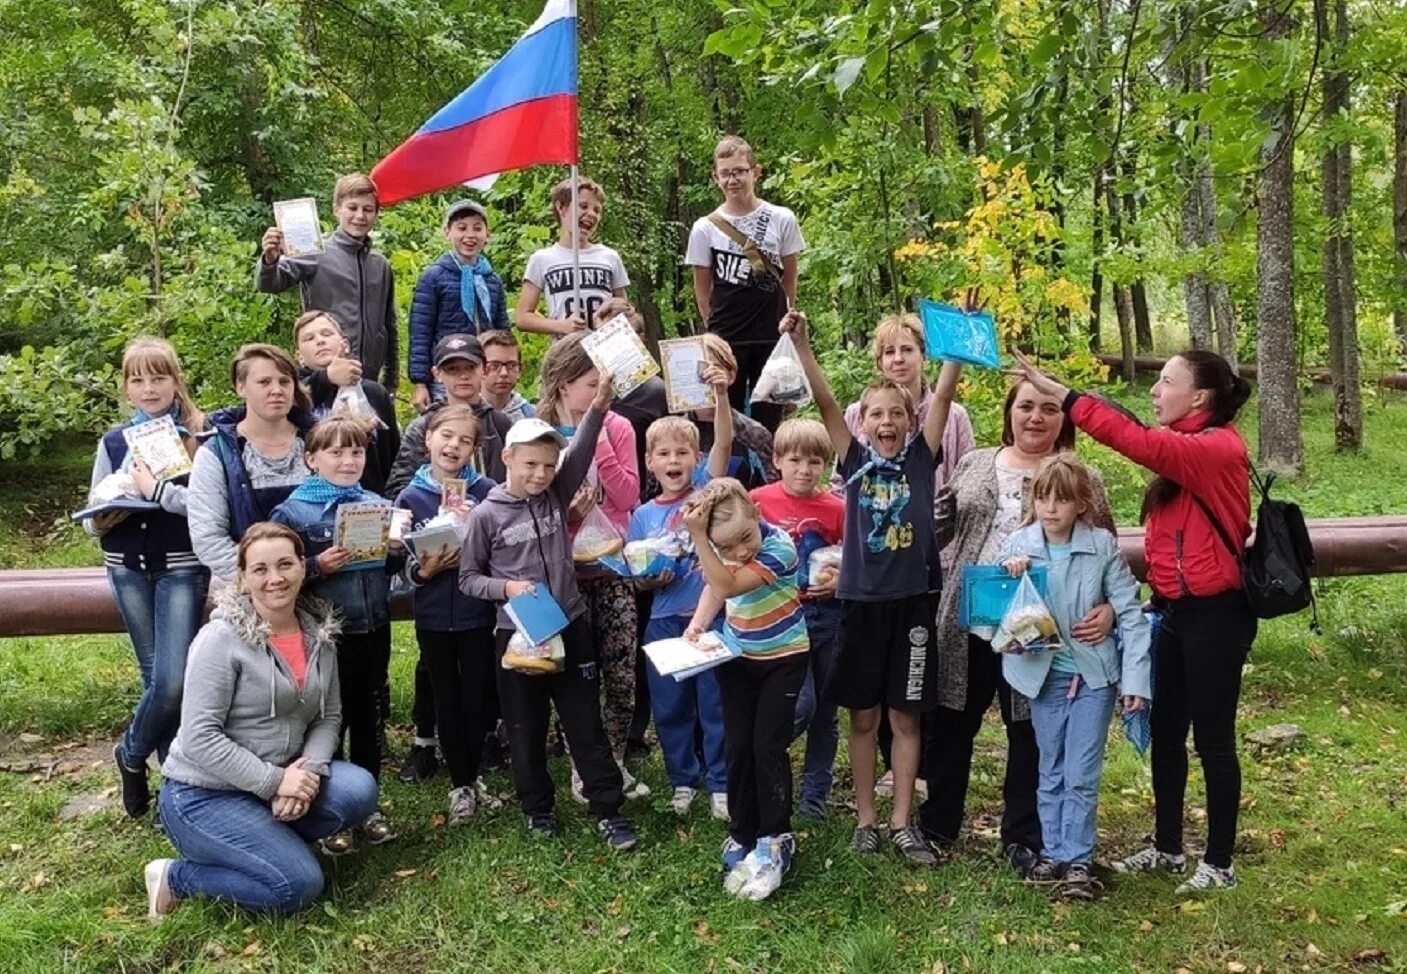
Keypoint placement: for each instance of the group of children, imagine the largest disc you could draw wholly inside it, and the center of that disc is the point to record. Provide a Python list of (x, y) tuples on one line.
[(749, 519)]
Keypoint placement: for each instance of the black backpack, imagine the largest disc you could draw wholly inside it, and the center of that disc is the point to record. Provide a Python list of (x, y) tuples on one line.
[(1275, 570)]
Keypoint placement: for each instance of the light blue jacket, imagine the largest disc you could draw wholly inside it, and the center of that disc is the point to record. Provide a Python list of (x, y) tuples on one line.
[(1095, 573)]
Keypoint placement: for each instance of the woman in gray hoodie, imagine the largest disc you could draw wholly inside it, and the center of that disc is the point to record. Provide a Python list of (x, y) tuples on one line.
[(250, 779)]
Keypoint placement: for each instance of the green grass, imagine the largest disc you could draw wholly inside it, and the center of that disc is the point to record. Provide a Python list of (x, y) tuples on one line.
[(1323, 852)]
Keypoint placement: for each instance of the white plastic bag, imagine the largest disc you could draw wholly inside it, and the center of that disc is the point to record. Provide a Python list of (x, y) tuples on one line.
[(822, 565), (521, 657), (352, 403), (783, 381), (1027, 625), (596, 538)]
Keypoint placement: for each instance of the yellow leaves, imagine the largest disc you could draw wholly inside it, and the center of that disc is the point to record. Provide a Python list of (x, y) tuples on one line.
[(1064, 293)]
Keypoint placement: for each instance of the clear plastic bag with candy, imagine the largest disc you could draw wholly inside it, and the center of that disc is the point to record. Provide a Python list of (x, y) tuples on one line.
[(822, 565), (352, 403), (596, 538), (523, 657), (783, 381), (1027, 626)]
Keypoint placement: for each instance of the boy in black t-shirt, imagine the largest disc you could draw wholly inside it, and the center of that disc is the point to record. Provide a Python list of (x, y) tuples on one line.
[(744, 257)]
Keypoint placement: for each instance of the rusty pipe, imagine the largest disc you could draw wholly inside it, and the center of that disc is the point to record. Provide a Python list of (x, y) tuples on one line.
[(1152, 363), (78, 601)]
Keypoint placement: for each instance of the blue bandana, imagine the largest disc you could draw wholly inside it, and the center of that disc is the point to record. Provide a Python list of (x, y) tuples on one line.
[(425, 480), (884, 466), (139, 417), (316, 490), (474, 290)]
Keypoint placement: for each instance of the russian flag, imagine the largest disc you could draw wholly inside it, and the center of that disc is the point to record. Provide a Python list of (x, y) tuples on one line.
[(521, 112)]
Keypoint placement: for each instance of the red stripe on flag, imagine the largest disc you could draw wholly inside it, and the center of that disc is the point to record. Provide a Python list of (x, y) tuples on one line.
[(529, 134)]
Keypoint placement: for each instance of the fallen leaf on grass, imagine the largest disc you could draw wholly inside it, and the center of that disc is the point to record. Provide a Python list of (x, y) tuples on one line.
[(1235, 967), (252, 950), (1146, 926), (622, 933), (702, 931), (1372, 955), (938, 968), (616, 906), (1191, 906), (405, 873)]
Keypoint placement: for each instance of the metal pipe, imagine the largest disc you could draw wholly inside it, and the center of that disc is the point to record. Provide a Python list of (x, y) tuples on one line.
[(1151, 363), (78, 601)]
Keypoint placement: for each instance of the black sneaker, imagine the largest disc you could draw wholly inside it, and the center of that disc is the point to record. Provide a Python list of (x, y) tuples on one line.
[(1046, 872), (1077, 884), (1021, 858), (542, 826), (136, 793), (913, 846), (618, 833), (420, 765)]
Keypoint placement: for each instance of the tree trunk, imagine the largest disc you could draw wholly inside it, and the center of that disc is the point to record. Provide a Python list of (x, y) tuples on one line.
[(1142, 323), (1399, 214), (1277, 338), (1096, 279), (1123, 296), (1194, 283), (1340, 292)]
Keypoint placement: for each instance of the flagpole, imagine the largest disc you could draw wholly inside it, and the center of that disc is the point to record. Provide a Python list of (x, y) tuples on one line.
[(576, 249)]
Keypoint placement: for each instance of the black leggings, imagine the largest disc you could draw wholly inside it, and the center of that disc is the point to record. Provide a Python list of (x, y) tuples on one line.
[(947, 757), (1202, 643), (751, 357), (461, 672), (362, 661), (759, 709)]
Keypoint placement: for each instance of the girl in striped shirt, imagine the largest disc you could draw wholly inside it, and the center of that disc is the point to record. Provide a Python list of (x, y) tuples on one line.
[(750, 568)]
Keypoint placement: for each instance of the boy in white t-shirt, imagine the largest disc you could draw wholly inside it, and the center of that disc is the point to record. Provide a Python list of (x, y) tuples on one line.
[(744, 286), (549, 273)]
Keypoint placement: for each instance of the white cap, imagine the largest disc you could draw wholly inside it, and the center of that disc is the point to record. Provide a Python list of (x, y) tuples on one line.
[(532, 430)]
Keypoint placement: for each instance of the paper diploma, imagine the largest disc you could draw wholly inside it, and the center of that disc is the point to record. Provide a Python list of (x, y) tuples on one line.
[(619, 352), (298, 219), (684, 362)]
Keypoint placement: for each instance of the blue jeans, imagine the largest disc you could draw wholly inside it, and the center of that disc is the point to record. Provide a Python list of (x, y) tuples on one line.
[(680, 708), (814, 717), (162, 611), (233, 849), (1071, 734)]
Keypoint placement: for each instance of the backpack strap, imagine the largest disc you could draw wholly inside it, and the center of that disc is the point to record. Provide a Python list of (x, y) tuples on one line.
[(1220, 530), (760, 264)]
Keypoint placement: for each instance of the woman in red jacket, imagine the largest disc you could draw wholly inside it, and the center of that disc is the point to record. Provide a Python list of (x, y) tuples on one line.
[(1203, 471)]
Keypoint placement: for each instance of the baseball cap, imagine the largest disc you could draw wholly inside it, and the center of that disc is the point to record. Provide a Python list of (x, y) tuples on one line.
[(460, 207), (458, 346), (532, 430)]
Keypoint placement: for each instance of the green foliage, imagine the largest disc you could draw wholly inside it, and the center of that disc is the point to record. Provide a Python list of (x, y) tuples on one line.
[(45, 393)]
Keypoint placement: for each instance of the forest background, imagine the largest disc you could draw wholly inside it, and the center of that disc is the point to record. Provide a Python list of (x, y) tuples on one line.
[(1125, 175)]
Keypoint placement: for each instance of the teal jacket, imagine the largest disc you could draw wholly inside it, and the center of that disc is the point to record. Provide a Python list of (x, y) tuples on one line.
[(1095, 573)]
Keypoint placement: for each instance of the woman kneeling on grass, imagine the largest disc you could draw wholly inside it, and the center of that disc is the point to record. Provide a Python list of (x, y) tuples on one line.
[(250, 779)]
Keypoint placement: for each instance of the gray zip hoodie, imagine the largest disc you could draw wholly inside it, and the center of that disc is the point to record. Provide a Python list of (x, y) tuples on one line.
[(243, 717), (525, 538)]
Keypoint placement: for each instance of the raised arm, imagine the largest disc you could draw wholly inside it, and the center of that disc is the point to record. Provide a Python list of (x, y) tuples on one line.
[(794, 324), (576, 459), (943, 393), (722, 450)]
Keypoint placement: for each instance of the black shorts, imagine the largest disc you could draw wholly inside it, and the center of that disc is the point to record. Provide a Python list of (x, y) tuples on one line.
[(888, 655)]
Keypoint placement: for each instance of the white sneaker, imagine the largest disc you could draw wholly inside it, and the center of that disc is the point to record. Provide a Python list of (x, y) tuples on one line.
[(1148, 860), (160, 900), (884, 787), (463, 804), (631, 786), (718, 805), (682, 799), (1208, 878), (741, 874)]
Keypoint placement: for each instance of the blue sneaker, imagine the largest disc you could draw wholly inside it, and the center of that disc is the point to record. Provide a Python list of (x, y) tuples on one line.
[(771, 859), (734, 852)]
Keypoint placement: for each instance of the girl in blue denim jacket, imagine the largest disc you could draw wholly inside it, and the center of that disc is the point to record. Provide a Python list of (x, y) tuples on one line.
[(336, 454), (1073, 690)]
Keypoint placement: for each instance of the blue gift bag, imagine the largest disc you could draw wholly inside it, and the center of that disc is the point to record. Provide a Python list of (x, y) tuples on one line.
[(987, 591), (953, 335)]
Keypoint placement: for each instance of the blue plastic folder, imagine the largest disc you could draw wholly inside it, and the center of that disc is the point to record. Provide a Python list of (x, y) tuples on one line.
[(987, 591), (952, 335), (536, 614)]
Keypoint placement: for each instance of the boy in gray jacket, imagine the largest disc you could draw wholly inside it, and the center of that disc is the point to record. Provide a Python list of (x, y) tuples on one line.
[(517, 540), (348, 279)]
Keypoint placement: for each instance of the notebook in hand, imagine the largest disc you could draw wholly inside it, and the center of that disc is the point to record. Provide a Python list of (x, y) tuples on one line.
[(952, 335), (536, 614)]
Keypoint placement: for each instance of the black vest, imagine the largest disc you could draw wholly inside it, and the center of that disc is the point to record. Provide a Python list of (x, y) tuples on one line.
[(143, 539)]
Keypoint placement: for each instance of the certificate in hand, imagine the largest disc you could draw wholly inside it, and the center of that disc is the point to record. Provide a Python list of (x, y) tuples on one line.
[(619, 352), (684, 363), (365, 530), (298, 219), (157, 444)]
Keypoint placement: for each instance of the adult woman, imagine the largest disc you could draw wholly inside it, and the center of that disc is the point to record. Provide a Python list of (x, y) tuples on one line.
[(250, 779), (976, 511), (254, 459), (1207, 627)]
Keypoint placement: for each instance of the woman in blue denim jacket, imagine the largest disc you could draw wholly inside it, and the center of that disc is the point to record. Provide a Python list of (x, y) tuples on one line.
[(336, 453), (1073, 689)]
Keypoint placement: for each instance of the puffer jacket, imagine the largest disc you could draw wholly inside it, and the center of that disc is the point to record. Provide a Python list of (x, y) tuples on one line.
[(437, 311)]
